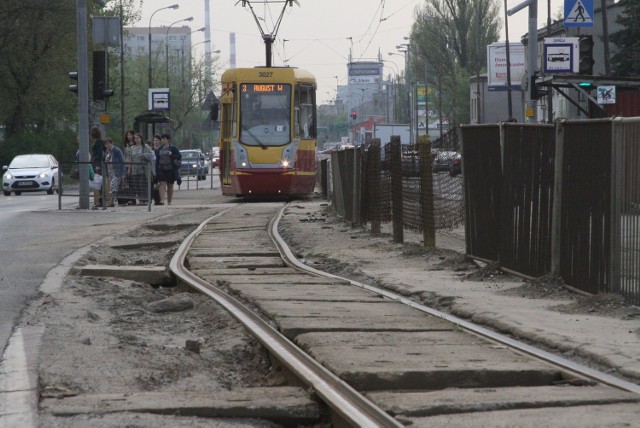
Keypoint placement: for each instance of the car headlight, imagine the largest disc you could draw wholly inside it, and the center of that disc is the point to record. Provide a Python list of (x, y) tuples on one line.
[(8, 176), (43, 175)]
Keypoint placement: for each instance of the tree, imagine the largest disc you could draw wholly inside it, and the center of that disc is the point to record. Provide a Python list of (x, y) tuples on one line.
[(35, 36), (448, 40), (626, 61)]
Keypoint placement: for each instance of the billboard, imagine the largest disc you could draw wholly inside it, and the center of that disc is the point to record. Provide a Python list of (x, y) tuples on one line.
[(497, 65), (365, 72)]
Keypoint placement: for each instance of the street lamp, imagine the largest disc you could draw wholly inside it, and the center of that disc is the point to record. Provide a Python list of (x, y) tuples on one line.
[(173, 6), (191, 56), (404, 48), (182, 51), (391, 88), (166, 44)]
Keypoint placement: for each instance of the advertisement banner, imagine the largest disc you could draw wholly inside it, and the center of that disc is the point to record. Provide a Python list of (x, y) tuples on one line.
[(497, 65), (421, 95), (366, 72)]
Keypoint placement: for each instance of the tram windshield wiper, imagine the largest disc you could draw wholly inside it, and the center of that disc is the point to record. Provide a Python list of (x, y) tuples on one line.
[(255, 138)]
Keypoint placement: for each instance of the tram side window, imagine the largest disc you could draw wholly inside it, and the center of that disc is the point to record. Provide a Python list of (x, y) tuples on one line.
[(305, 112)]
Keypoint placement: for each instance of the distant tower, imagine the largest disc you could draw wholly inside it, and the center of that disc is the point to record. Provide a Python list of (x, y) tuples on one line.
[(207, 36), (232, 48)]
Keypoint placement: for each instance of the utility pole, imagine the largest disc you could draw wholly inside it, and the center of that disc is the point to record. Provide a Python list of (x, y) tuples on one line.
[(508, 54), (83, 99), (532, 51)]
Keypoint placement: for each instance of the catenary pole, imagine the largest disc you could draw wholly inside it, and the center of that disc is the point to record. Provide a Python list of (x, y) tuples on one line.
[(83, 101)]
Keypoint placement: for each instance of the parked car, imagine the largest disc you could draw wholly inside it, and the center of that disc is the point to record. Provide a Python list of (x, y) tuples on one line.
[(31, 173), (442, 162), (193, 164), (215, 158), (456, 165)]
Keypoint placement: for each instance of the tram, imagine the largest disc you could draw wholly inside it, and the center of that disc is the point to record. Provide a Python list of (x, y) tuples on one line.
[(267, 132)]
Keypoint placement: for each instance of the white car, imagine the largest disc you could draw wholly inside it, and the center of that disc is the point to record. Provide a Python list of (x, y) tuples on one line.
[(31, 173)]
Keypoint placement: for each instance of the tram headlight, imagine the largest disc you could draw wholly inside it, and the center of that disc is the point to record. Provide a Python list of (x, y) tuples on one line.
[(244, 164), (285, 163)]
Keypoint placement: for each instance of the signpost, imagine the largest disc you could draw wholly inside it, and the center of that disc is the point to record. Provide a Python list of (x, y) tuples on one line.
[(159, 99), (561, 55), (578, 13), (606, 94)]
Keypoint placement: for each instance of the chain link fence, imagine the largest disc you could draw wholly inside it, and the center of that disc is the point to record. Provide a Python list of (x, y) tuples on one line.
[(398, 183)]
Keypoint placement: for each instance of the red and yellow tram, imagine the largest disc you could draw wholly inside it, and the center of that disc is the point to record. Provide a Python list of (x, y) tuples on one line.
[(267, 132)]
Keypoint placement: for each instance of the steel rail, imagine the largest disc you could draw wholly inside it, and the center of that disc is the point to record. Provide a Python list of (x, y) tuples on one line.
[(568, 365), (352, 406)]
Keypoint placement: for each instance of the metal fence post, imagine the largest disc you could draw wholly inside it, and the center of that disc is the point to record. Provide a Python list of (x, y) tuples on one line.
[(59, 187), (357, 163), (375, 184), (396, 189), (426, 192), (556, 210), (149, 184), (105, 189)]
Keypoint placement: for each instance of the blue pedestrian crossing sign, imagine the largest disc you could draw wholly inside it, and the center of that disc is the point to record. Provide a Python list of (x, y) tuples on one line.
[(578, 13)]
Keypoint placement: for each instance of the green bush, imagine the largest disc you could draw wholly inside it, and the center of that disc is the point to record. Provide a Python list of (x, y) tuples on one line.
[(61, 144)]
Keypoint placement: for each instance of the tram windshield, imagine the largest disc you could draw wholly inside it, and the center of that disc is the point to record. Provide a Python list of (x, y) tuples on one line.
[(266, 114)]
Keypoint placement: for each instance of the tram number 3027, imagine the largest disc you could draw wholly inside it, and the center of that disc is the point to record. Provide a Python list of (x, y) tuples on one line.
[(265, 73)]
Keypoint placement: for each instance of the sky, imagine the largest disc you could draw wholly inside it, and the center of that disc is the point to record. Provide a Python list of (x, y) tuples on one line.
[(316, 35)]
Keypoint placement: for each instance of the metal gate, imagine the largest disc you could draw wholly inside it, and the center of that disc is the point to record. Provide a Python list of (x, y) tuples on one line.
[(626, 208)]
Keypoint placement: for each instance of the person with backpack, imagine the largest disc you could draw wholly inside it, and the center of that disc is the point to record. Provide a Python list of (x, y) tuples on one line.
[(168, 159)]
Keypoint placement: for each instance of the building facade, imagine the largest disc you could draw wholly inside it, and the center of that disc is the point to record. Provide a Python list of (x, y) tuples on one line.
[(170, 49)]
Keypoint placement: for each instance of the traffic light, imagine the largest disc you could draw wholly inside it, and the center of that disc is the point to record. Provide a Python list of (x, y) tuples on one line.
[(101, 76), (585, 46), (535, 92), (354, 115), (73, 75)]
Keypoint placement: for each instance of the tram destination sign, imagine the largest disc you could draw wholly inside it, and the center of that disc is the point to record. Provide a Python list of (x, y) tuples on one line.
[(261, 87)]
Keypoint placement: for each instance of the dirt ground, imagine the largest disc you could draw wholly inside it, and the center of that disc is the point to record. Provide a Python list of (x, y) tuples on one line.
[(107, 336)]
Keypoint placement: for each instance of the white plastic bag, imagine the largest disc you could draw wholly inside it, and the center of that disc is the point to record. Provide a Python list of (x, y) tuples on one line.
[(96, 184)]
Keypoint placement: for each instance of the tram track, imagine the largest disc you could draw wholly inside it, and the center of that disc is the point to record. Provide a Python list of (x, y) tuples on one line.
[(321, 318)]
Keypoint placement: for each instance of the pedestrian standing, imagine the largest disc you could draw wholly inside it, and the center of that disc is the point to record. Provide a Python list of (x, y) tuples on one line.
[(168, 158), (140, 156), (97, 159), (114, 158), (127, 148)]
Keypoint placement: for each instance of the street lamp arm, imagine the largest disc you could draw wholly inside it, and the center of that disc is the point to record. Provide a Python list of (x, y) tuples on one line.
[(166, 44), (173, 6)]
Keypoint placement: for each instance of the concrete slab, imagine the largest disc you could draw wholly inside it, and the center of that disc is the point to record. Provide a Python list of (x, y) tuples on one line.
[(440, 334), (154, 275), (463, 400), (303, 291), (295, 278), (203, 271), (137, 243), (420, 367), (618, 415), (423, 360), (289, 406), (299, 317), (218, 252), (236, 262)]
